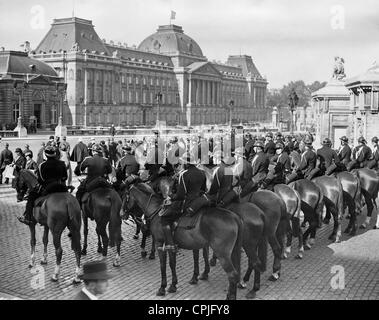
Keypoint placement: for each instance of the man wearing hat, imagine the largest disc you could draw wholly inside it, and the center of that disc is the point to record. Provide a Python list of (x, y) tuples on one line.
[(96, 166), (221, 191), (27, 150), (249, 147), (344, 152), (327, 157), (90, 145), (244, 172), (79, 153), (282, 167), (269, 147), (50, 173), (307, 163), (95, 276), (189, 196), (128, 167), (30, 163), (259, 163), (361, 155), (288, 143), (373, 163), (6, 158)]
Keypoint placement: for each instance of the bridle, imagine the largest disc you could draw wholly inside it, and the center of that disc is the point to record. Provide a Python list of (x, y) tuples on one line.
[(144, 210)]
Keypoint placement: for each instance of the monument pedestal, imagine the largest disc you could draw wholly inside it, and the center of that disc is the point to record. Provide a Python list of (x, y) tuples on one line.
[(60, 129), (22, 132)]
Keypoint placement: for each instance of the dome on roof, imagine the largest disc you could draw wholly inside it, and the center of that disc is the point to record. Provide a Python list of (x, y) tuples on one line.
[(171, 40), (16, 62)]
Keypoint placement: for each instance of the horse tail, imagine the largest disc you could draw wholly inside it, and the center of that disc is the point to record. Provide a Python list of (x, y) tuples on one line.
[(296, 214), (340, 207), (358, 195), (114, 227), (236, 253), (320, 203), (74, 222), (262, 253)]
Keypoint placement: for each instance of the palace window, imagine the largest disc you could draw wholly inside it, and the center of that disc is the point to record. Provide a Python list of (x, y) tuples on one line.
[(157, 82), (123, 96), (169, 83), (144, 81), (130, 80), (130, 97), (137, 79), (163, 82), (151, 97), (137, 97), (144, 97), (151, 81), (122, 78), (367, 98), (15, 112), (177, 98)]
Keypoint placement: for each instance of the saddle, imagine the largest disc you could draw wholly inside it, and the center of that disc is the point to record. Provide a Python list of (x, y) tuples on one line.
[(187, 221), (97, 183)]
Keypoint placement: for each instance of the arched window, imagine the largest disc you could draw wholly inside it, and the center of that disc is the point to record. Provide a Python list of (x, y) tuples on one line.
[(71, 74)]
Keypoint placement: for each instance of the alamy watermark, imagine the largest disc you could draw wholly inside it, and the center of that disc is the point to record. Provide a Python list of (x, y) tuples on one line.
[(337, 282)]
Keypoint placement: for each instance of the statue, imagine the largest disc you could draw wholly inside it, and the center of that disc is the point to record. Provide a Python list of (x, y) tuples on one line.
[(339, 69), (75, 47)]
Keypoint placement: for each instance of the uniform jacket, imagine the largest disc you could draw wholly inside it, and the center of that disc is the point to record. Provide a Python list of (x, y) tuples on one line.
[(97, 166), (191, 184), (79, 153), (20, 163), (260, 163), (308, 162), (270, 148), (52, 170), (29, 151), (244, 172), (375, 153), (31, 165), (327, 156), (6, 157), (344, 154), (128, 165), (249, 148), (362, 154), (222, 182), (283, 162)]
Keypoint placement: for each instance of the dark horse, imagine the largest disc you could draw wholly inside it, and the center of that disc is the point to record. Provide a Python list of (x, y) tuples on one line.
[(58, 211), (312, 204), (369, 187), (293, 206), (332, 192), (218, 228), (103, 205)]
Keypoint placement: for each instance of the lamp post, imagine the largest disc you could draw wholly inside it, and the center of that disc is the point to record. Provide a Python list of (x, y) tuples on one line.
[(293, 100), (231, 104), (158, 99), (20, 90)]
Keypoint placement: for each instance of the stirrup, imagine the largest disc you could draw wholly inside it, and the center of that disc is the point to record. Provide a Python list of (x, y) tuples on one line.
[(169, 247), (23, 220)]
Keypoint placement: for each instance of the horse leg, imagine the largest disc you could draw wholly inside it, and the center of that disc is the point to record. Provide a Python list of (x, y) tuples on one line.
[(138, 229), (105, 239), (287, 250), (213, 260), (85, 230), (273, 241), (174, 278), (351, 208), (257, 285), (162, 260), (327, 216), (75, 246), (58, 254), (143, 245), (370, 208), (45, 240), (152, 252), (301, 245), (280, 235), (196, 271), (233, 277), (204, 275), (33, 243), (117, 260), (99, 244)]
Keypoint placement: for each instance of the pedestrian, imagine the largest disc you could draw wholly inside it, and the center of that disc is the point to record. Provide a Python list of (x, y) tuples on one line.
[(104, 148), (65, 144), (112, 130), (112, 147), (19, 163), (95, 277), (79, 153), (65, 157), (6, 158), (90, 144), (119, 150), (27, 149), (30, 163), (40, 154)]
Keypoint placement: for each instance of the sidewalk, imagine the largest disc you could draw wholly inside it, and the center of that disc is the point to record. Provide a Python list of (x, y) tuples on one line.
[(5, 296)]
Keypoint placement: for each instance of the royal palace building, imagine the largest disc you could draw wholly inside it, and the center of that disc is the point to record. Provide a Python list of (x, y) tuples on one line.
[(166, 77)]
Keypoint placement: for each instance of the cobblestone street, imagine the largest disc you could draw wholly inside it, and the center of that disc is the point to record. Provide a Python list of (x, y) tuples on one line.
[(139, 278)]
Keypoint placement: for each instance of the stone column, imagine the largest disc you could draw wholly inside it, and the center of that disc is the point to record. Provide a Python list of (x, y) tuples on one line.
[(104, 86), (95, 96), (208, 93), (204, 92), (189, 91), (197, 92)]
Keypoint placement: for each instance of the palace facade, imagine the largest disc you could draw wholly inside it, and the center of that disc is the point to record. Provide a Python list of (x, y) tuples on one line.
[(110, 83)]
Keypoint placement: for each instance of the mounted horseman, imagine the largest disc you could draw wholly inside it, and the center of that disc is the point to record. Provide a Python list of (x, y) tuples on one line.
[(327, 158), (373, 163), (52, 176), (260, 164), (344, 152), (361, 155)]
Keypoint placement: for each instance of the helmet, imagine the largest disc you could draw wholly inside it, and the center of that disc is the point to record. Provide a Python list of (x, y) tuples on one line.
[(308, 141), (258, 144), (18, 150), (344, 139), (96, 148), (362, 140), (375, 140), (239, 152), (269, 134), (279, 145), (278, 134), (327, 142), (228, 160), (50, 152), (28, 153), (127, 148)]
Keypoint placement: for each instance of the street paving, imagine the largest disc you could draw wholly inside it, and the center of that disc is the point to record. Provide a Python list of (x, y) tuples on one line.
[(139, 278)]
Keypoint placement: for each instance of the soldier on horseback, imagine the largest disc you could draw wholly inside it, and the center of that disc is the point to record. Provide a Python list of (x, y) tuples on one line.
[(244, 172), (344, 152), (282, 167), (361, 155), (128, 167), (97, 168), (373, 163), (50, 173), (328, 158), (307, 163), (259, 163), (269, 147), (191, 188)]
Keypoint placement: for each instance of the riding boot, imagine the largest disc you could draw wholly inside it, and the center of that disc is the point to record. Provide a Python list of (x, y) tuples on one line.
[(168, 240), (27, 217)]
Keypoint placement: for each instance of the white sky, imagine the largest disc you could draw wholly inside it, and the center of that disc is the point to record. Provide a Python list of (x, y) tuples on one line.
[(288, 39)]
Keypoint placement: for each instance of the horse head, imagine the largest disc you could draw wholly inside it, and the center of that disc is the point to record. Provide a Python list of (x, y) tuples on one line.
[(24, 180), (139, 199)]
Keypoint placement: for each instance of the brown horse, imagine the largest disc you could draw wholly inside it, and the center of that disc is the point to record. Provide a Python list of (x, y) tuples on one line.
[(352, 197), (369, 188), (332, 192), (311, 205), (293, 206), (58, 211), (218, 228), (103, 205)]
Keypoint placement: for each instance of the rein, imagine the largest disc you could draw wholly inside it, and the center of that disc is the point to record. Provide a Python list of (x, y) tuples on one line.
[(152, 216)]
